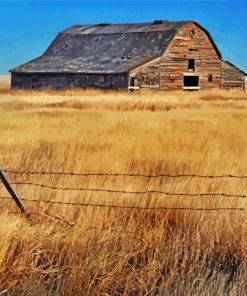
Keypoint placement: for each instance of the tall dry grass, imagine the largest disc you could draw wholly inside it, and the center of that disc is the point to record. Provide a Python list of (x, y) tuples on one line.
[(69, 250)]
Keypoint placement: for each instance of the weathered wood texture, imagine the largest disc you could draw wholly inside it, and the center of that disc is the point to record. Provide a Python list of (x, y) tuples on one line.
[(190, 42), (231, 77), (147, 75)]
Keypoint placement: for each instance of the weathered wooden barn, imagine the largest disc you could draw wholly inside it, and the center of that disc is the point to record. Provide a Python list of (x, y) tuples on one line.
[(160, 55)]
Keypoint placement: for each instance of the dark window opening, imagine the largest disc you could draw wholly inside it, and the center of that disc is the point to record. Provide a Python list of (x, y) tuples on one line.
[(193, 49), (191, 65), (210, 78), (132, 81), (191, 81)]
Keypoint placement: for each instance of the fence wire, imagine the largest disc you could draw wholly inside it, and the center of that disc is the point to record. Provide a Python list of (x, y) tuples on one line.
[(128, 192), (134, 207), (165, 193), (125, 174)]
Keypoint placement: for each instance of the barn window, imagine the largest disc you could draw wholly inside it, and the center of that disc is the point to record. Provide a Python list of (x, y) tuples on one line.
[(193, 49), (191, 65), (210, 78), (132, 81)]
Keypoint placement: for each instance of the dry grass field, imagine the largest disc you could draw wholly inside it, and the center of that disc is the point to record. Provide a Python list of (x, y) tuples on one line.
[(85, 250)]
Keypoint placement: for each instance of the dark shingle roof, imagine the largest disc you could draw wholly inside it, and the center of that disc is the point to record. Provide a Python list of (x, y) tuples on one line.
[(104, 48)]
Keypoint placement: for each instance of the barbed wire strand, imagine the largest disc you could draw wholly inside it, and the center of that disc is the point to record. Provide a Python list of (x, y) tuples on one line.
[(125, 174), (128, 192), (129, 207)]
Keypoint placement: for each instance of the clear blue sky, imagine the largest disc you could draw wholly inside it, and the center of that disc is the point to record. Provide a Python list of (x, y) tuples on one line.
[(28, 27)]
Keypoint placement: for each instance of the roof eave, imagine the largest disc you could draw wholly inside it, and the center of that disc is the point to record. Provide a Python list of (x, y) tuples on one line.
[(244, 73), (67, 72)]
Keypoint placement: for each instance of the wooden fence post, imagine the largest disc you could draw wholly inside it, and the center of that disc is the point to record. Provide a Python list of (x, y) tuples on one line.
[(6, 182)]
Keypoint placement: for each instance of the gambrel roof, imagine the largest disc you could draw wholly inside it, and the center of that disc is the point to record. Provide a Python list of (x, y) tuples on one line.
[(104, 48)]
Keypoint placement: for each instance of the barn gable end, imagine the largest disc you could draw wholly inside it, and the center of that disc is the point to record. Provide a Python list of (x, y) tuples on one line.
[(190, 54)]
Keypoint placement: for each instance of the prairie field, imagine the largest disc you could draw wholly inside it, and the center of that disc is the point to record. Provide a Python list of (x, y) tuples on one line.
[(134, 209)]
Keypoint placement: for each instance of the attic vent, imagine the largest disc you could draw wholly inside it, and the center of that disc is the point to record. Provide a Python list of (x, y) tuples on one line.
[(158, 22), (102, 25)]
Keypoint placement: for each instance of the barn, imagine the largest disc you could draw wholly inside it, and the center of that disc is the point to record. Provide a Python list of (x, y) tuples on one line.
[(162, 55)]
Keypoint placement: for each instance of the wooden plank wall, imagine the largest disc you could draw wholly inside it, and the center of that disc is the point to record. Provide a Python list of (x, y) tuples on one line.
[(147, 75), (190, 42), (231, 77)]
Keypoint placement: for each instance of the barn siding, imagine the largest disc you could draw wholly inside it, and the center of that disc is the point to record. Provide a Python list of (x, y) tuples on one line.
[(174, 62), (68, 80), (147, 75), (231, 77)]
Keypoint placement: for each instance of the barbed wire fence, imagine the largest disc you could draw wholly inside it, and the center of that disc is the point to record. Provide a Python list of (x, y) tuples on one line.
[(124, 174), (20, 200)]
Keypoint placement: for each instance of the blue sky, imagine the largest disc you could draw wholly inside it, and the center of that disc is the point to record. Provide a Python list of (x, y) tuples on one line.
[(28, 27)]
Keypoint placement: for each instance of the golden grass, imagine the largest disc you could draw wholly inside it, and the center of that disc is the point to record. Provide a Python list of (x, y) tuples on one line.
[(71, 250)]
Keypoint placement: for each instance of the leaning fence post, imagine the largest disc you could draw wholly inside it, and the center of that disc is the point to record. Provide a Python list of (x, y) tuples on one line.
[(6, 182)]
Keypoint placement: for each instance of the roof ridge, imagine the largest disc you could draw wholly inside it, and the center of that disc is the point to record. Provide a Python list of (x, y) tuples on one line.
[(154, 31), (135, 23), (162, 25)]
